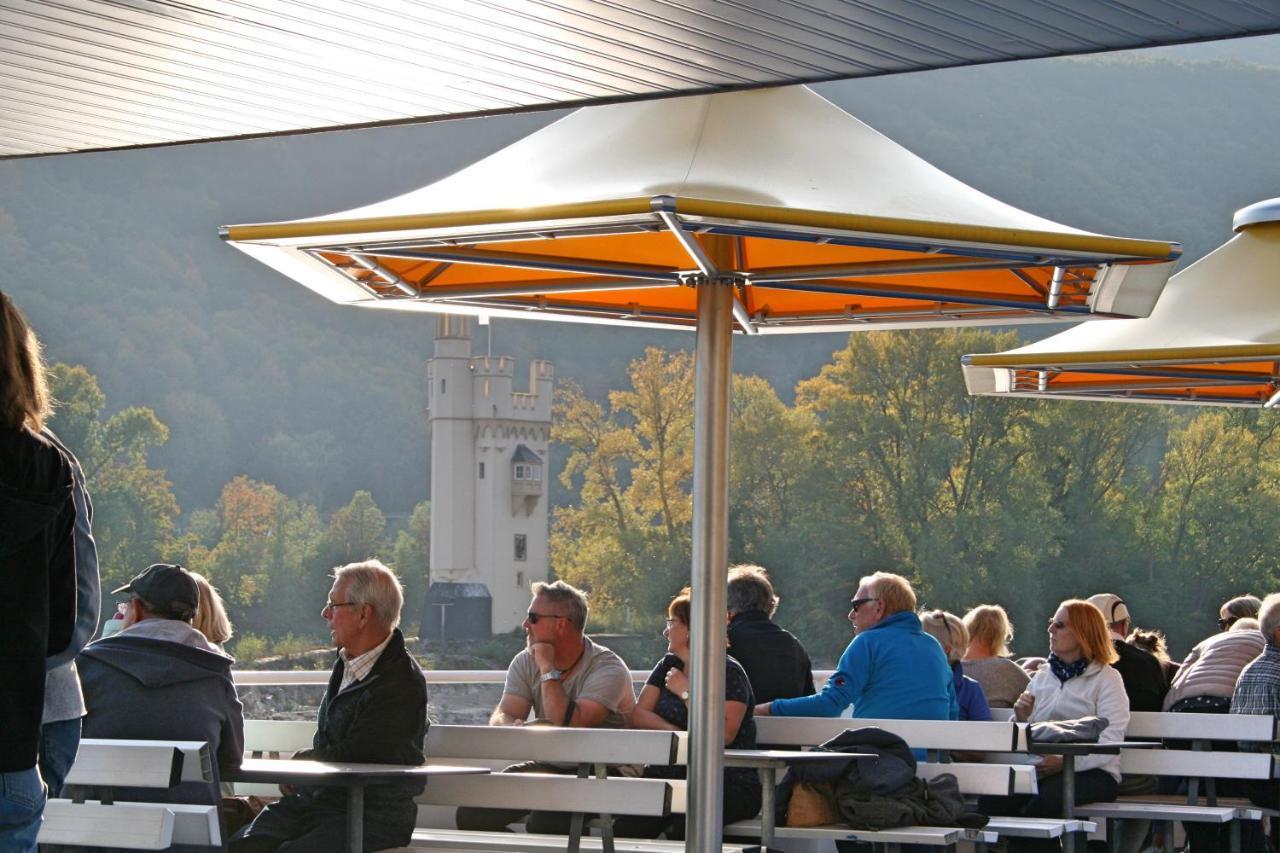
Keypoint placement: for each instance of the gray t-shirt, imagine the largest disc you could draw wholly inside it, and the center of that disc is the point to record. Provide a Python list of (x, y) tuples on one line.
[(600, 676), (1002, 680)]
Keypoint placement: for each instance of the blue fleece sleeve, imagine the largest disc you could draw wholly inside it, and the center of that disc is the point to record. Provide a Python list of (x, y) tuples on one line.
[(842, 690), (953, 713)]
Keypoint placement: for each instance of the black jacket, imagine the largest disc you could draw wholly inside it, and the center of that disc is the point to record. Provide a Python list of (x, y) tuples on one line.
[(381, 719), (776, 664), (1143, 676), (38, 575)]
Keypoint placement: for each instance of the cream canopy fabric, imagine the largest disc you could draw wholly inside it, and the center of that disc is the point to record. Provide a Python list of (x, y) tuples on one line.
[(607, 215), (1213, 338)]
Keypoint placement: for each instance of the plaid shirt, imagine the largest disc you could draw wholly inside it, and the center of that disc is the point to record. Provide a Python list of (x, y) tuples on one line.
[(1258, 690), (356, 668)]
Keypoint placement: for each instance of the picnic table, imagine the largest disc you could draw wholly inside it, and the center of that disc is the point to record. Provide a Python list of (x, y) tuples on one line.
[(354, 777)]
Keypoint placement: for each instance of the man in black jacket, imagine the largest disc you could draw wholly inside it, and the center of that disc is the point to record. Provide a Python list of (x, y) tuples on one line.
[(374, 711), (777, 665), (1144, 678)]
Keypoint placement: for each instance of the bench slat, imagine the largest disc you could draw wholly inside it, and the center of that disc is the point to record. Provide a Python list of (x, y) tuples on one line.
[(993, 780), (921, 734), (507, 842), (1167, 811), (97, 753), (133, 826), (549, 792), (932, 835), (1233, 727), (1037, 827), (282, 737), (137, 764), (1182, 762), (553, 744)]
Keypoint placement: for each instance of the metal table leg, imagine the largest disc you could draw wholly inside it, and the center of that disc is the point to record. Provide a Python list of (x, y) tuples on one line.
[(355, 819), (768, 777), (1069, 799)]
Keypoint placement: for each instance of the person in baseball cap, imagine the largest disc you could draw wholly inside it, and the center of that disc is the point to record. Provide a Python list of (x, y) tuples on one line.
[(167, 591), (1144, 678)]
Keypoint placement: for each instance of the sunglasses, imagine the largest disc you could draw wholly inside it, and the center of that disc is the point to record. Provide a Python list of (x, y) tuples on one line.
[(1061, 626), (1224, 624), (534, 617), (858, 602)]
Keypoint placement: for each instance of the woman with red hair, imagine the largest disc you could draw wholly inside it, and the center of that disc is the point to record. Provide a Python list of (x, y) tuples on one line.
[(1076, 681)]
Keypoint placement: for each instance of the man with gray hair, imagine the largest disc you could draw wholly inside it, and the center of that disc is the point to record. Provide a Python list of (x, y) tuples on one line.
[(777, 665), (374, 711), (565, 679)]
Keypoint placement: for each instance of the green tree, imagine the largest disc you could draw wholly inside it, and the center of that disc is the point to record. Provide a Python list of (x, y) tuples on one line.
[(411, 558), (134, 507), (355, 531)]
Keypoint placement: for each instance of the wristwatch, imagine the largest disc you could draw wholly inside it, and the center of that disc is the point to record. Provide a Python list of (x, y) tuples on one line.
[(684, 696), (550, 675)]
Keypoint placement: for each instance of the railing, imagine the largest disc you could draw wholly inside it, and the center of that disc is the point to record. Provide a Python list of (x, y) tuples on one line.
[(283, 677)]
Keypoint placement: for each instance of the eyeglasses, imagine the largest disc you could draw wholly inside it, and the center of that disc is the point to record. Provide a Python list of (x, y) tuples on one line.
[(1224, 624), (1059, 626), (334, 605), (858, 602), (534, 617)]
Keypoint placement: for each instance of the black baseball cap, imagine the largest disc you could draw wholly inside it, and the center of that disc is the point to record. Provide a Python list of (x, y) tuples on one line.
[(166, 587)]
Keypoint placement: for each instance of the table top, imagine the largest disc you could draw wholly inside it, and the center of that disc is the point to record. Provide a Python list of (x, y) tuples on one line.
[(782, 757), (1082, 748), (327, 773)]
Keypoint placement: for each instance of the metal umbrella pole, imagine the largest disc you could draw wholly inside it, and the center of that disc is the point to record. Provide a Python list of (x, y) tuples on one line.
[(712, 377)]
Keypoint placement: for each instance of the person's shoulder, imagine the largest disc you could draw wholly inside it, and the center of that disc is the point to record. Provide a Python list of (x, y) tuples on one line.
[(601, 655)]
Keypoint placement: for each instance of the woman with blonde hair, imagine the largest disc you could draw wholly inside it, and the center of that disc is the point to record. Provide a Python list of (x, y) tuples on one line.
[(37, 569), (1078, 680), (986, 660), (951, 634), (211, 616)]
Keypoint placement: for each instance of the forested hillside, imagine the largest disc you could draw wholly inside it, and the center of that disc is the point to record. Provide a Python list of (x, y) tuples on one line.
[(116, 260)]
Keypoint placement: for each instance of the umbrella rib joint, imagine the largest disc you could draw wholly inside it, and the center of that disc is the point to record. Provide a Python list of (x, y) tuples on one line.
[(664, 206)]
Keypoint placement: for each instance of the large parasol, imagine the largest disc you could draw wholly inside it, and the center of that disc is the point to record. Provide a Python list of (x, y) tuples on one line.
[(1213, 339), (760, 212)]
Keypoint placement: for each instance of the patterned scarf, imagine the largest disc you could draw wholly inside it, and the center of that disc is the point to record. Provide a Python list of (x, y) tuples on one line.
[(1066, 671)]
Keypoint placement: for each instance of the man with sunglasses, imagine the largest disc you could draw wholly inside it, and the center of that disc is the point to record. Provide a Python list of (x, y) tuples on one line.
[(892, 669), (565, 679)]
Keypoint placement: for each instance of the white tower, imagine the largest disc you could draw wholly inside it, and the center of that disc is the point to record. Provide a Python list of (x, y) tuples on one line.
[(488, 487)]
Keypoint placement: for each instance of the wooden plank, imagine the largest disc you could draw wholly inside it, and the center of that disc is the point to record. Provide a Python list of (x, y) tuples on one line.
[(277, 738), (132, 826), (1232, 727), (509, 842), (136, 764), (1183, 762), (553, 744), (920, 734), (549, 792)]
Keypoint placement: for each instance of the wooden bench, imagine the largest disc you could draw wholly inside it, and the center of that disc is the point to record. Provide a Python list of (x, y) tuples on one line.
[(939, 738), (91, 817)]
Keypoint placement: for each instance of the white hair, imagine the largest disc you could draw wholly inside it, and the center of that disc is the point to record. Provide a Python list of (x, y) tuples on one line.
[(374, 584)]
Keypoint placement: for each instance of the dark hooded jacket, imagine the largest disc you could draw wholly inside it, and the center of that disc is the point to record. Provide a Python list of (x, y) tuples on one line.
[(38, 574), (148, 689)]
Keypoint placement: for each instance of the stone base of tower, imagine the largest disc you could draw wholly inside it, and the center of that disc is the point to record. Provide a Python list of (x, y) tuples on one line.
[(457, 611)]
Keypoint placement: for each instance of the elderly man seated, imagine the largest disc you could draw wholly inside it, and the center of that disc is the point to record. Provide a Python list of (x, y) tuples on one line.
[(375, 711)]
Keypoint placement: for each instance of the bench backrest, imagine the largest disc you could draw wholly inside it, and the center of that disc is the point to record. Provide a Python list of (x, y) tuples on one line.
[(140, 763), (550, 792), (920, 734), (995, 780), (133, 826), (1197, 763), (1227, 727), (552, 744), (277, 738)]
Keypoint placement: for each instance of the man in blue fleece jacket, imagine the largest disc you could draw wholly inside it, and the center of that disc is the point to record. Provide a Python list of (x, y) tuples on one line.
[(892, 669)]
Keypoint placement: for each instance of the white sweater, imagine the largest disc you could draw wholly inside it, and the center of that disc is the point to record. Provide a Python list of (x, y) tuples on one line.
[(1096, 692)]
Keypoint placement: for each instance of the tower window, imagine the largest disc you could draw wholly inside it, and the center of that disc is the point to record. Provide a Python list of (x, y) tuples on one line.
[(519, 580), (442, 381), (481, 470), (522, 547)]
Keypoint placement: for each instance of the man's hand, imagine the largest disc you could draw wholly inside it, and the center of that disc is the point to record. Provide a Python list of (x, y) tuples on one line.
[(544, 655), (1049, 765), (677, 682), (1023, 707)]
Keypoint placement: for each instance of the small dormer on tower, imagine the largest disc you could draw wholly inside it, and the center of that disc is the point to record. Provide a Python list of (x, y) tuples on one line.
[(526, 480)]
